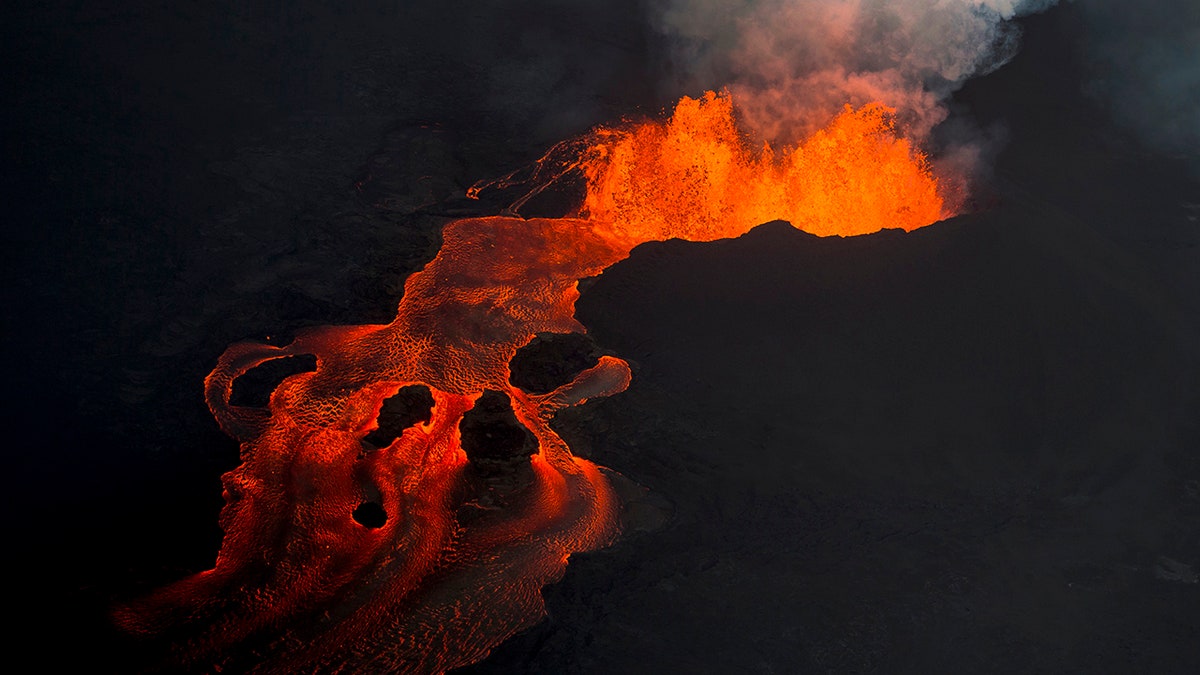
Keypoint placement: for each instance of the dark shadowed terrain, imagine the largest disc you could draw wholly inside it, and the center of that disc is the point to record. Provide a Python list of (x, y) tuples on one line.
[(972, 448)]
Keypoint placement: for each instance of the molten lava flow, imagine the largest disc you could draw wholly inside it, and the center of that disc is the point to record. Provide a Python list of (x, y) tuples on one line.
[(695, 177), (452, 564), (298, 578)]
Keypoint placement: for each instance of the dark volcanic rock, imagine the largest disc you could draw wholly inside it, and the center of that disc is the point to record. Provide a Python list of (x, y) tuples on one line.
[(551, 360), (492, 437), (410, 405), (255, 387), (370, 515), (975, 434), (498, 447)]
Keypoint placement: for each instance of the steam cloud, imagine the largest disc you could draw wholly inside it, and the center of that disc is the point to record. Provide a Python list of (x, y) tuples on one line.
[(793, 64), (1145, 66)]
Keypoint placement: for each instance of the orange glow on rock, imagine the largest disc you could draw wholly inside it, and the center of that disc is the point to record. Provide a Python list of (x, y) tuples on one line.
[(456, 567), (695, 177)]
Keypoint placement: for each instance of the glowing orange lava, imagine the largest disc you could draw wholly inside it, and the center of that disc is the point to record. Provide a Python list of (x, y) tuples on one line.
[(301, 586), (298, 578), (695, 177)]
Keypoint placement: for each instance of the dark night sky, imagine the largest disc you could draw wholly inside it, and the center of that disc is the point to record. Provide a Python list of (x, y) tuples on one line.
[(972, 448)]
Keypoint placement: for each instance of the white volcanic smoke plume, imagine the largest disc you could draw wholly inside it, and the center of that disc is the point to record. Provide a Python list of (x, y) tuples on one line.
[(793, 64)]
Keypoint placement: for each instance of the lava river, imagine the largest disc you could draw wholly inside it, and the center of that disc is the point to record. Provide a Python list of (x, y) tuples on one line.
[(458, 562)]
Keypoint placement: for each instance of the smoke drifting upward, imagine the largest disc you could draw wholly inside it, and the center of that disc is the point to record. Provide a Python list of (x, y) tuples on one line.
[(1144, 61), (792, 65)]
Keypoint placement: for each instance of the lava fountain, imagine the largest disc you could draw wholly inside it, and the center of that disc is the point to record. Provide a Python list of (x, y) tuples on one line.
[(696, 177), (458, 562)]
